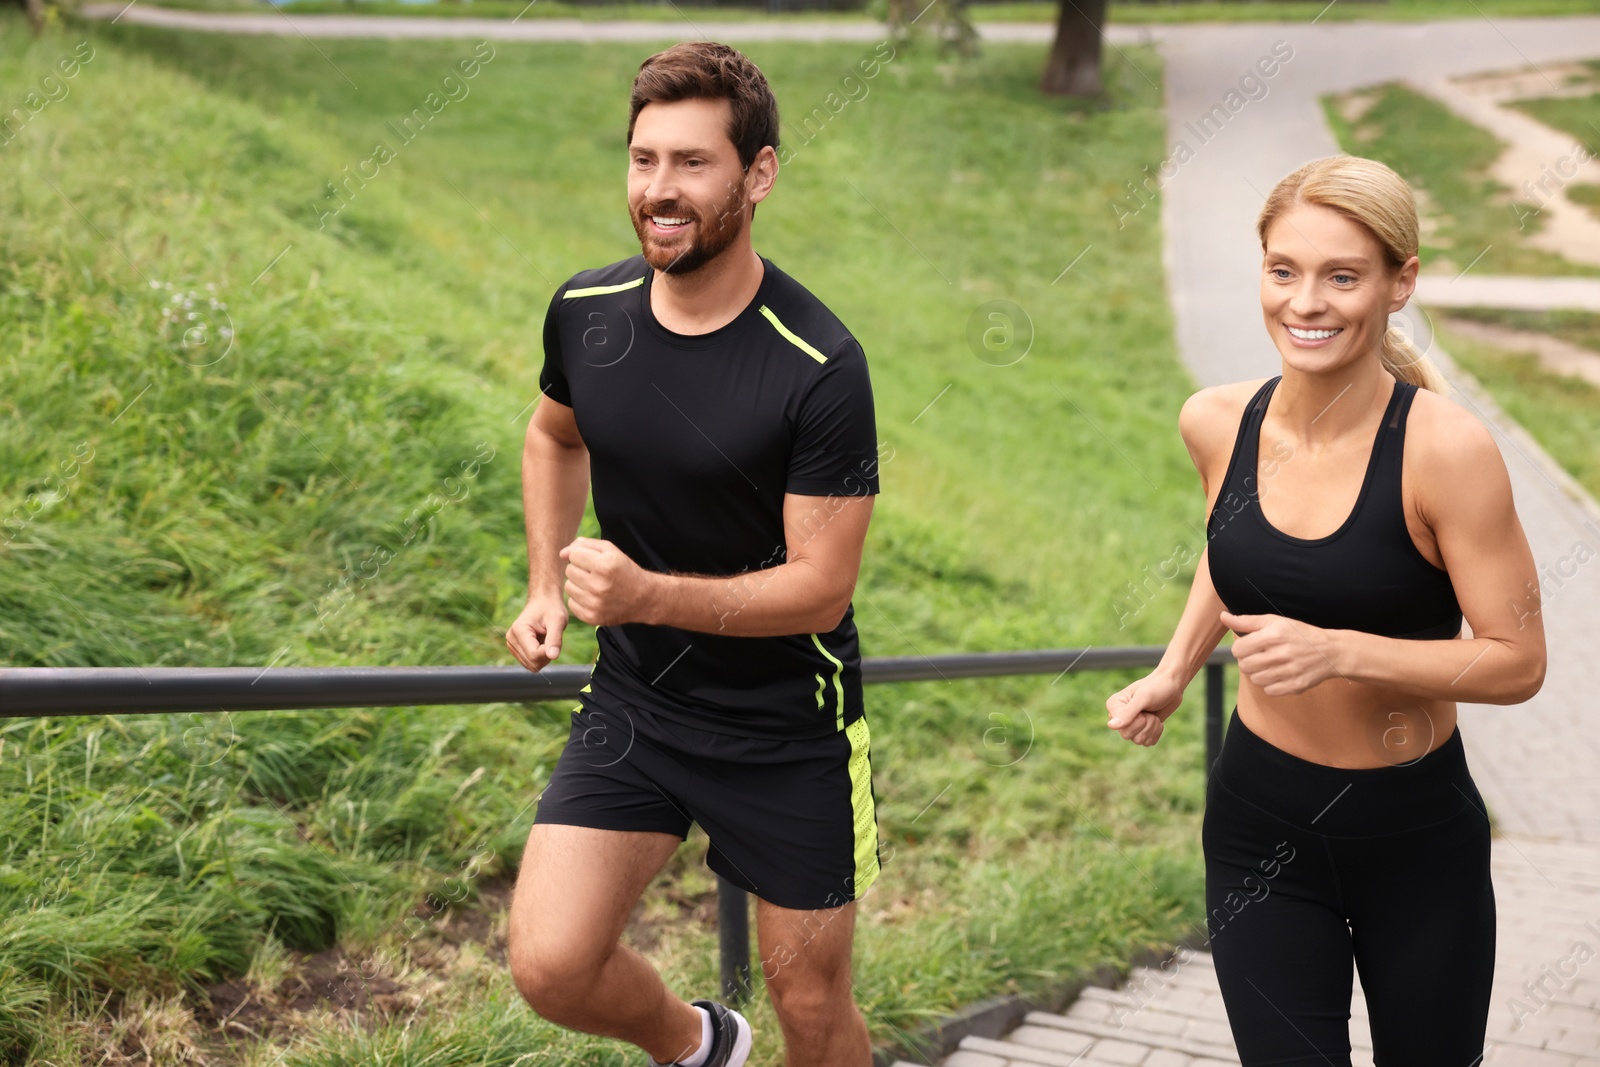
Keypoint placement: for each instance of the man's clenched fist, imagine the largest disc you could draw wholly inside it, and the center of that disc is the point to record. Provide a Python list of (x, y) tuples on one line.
[(535, 638), (604, 587)]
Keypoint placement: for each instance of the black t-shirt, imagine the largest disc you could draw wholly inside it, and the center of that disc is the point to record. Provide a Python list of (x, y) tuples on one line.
[(693, 442)]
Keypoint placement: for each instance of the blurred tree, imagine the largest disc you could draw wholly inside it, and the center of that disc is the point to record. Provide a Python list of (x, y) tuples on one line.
[(956, 31), (952, 24), (1074, 65), (36, 16)]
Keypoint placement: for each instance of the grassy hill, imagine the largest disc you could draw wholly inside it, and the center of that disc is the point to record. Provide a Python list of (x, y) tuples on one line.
[(321, 467)]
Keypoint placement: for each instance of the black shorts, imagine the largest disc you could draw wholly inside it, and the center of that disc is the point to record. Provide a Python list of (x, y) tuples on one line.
[(792, 821)]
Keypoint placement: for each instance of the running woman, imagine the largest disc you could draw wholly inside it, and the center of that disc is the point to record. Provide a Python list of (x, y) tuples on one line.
[(1355, 515), (725, 417)]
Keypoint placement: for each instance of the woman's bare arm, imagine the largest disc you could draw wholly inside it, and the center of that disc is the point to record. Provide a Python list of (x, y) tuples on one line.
[(1207, 423), (1465, 497)]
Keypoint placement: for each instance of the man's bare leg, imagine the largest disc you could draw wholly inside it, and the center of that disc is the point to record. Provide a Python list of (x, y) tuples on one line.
[(575, 890), (805, 959)]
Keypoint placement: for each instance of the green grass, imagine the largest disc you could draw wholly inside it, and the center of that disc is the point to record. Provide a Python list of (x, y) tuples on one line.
[(1000, 11), (1562, 413), (1575, 115), (234, 512), (1578, 327), (1446, 160), (1587, 195)]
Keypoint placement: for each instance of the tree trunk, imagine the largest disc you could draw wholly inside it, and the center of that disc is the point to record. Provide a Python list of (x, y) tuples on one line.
[(36, 16), (1074, 65)]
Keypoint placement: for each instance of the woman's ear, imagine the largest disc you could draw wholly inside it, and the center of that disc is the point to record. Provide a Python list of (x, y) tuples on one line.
[(1405, 283)]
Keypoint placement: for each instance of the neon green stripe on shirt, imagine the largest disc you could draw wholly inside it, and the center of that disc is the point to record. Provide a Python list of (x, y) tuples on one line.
[(838, 690), (792, 336), (601, 290)]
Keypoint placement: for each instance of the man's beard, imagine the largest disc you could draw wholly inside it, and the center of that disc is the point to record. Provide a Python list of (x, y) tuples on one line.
[(710, 240)]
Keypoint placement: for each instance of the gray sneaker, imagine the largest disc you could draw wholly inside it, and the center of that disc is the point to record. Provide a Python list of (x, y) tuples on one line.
[(730, 1037)]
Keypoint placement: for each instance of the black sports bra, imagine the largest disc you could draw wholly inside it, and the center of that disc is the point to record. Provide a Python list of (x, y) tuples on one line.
[(1367, 575)]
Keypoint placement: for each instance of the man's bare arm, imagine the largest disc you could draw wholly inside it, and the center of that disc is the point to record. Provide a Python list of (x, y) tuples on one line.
[(555, 487), (807, 593)]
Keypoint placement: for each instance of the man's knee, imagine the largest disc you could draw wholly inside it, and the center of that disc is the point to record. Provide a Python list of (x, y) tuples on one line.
[(555, 980), (810, 1003)]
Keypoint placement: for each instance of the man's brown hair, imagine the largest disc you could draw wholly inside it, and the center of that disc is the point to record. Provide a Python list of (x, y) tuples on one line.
[(705, 70)]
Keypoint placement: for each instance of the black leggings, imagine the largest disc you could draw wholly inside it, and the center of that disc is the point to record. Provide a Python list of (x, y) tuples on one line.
[(1311, 867)]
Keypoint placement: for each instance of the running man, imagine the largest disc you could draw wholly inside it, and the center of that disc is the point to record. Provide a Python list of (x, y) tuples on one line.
[(725, 417)]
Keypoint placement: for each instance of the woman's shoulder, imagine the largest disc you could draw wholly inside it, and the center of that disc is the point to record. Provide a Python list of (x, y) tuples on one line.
[(1452, 460), (1446, 436), (1211, 416)]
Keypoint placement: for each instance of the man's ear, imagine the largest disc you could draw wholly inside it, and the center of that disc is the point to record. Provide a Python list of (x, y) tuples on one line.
[(761, 175)]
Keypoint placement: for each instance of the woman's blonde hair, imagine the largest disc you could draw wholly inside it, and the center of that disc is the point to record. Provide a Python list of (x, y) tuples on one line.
[(1371, 195)]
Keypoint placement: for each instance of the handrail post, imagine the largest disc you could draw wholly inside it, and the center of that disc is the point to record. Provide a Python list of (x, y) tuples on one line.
[(1213, 714), (733, 938)]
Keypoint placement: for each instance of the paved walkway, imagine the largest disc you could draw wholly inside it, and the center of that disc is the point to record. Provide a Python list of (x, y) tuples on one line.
[(1489, 290), (1536, 764)]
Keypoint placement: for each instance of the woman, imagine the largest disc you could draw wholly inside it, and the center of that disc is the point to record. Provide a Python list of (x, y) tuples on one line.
[(1341, 822)]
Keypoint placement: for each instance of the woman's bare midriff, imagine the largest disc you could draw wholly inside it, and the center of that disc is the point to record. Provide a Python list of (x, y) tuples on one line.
[(1341, 723)]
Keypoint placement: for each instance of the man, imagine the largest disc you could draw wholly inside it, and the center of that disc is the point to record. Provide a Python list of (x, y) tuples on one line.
[(725, 416)]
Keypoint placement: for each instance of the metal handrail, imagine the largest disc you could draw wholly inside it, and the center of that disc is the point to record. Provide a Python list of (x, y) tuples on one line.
[(52, 691), (136, 690)]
